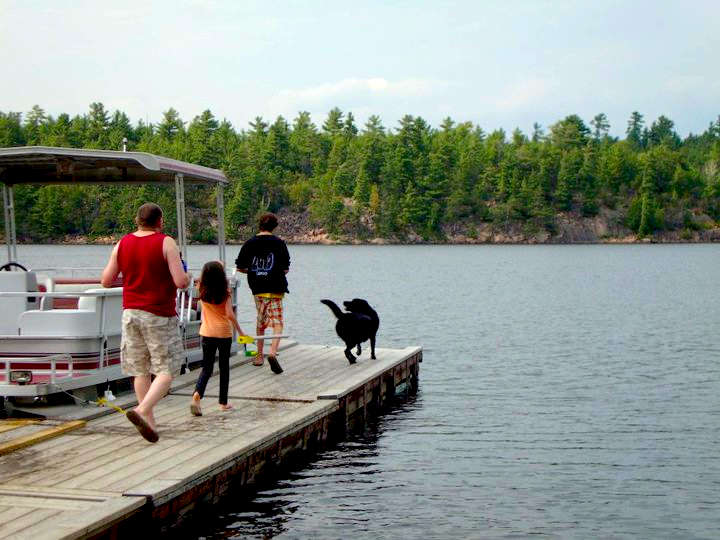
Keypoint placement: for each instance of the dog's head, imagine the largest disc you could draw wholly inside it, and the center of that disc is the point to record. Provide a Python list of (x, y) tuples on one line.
[(358, 305)]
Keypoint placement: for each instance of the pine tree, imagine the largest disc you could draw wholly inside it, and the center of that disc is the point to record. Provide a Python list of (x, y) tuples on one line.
[(601, 126), (635, 130), (334, 122), (171, 125), (361, 194)]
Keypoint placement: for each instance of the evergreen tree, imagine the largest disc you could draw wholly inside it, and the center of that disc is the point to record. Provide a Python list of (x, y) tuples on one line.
[(588, 181), (171, 125), (411, 179), (97, 127), (361, 193), (571, 132), (334, 123), (305, 146), (33, 123), (349, 130), (120, 128), (200, 133), (662, 132), (635, 130), (11, 132), (538, 133), (601, 126)]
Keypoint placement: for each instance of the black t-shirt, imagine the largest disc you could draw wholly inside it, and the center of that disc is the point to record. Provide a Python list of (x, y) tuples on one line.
[(266, 257)]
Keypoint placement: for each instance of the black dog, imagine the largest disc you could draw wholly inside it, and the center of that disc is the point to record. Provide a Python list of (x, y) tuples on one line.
[(359, 323)]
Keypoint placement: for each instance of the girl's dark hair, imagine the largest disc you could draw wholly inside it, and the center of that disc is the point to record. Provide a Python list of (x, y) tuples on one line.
[(213, 283)]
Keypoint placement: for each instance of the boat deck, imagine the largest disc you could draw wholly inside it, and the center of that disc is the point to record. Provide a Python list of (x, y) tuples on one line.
[(100, 478)]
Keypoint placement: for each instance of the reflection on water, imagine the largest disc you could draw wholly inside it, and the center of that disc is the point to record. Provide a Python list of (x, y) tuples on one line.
[(566, 391), (320, 499)]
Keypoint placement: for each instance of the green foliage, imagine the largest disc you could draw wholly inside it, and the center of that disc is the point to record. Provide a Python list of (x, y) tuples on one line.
[(645, 215), (412, 178), (326, 208), (635, 130), (300, 194), (570, 132)]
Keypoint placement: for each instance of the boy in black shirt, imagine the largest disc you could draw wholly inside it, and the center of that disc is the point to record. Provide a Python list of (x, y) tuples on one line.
[(265, 260)]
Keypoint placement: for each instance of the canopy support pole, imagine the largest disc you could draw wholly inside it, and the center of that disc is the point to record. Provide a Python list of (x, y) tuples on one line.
[(180, 207), (221, 222), (10, 238)]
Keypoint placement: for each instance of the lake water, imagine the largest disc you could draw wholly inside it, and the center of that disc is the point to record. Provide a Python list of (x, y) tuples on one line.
[(566, 391)]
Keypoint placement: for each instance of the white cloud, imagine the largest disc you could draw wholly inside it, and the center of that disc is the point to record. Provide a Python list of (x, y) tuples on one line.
[(354, 88), (523, 94)]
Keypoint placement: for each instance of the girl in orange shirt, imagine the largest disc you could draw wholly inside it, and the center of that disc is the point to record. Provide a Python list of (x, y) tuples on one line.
[(217, 320)]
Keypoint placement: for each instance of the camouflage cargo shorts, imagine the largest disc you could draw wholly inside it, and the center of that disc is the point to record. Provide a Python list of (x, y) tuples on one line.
[(150, 344)]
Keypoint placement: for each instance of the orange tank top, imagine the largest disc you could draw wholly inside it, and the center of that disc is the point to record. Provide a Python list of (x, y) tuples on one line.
[(214, 322)]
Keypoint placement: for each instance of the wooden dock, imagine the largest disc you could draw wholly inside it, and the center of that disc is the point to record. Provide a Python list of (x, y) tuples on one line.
[(102, 480)]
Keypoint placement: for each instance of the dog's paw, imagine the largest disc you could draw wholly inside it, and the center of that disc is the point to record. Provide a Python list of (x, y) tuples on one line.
[(350, 357)]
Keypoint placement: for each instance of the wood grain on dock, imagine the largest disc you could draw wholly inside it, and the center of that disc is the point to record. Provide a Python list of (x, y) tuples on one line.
[(94, 477)]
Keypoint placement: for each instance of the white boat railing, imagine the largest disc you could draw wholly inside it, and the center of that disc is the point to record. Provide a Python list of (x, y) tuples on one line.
[(72, 272), (54, 359), (188, 323), (55, 374)]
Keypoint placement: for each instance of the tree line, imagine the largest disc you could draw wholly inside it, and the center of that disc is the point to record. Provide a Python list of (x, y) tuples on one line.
[(376, 181)]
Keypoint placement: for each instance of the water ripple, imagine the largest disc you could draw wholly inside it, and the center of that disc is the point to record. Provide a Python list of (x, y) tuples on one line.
[(565, 392)]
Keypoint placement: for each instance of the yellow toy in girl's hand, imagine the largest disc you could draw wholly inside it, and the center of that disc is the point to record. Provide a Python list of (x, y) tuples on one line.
[(246, 340)]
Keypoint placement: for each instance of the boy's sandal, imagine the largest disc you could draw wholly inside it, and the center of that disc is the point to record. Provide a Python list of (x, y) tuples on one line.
[(274, 364)]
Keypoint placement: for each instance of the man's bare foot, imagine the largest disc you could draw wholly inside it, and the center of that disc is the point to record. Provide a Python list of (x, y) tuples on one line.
[(226, 407)]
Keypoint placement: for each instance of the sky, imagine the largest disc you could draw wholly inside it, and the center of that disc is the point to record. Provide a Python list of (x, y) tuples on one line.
[(499, 64)]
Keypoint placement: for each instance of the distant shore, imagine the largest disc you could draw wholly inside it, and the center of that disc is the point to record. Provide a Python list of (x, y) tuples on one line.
[(320, 237), (605, 228)]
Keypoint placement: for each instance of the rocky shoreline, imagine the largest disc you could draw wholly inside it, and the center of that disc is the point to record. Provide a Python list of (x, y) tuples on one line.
[(568, 228)]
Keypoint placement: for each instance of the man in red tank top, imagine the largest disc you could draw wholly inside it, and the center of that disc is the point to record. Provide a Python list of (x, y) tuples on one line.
[(151, 345)]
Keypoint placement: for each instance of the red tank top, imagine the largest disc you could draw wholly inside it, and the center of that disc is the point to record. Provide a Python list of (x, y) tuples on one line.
[(147, 282)]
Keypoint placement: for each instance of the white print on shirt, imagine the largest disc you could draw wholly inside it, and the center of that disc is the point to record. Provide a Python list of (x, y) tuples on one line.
[(262, 267)]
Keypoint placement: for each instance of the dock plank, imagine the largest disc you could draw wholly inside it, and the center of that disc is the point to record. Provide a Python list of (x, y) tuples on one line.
[(15, 527), (184, 474), (10, 514), (127, 473), (68, 514)]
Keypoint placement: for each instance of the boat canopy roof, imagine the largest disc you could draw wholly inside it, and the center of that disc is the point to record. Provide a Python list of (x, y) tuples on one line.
[(51, 165)]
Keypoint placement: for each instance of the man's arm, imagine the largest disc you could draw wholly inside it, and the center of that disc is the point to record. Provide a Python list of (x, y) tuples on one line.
[(172, 256), (112, 269)]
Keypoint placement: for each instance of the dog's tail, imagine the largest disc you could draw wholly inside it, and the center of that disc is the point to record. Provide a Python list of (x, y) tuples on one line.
[(333, 307)]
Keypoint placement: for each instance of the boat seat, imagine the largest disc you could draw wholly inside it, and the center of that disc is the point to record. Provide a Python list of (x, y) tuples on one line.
[(13, 307), (81, 322)]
